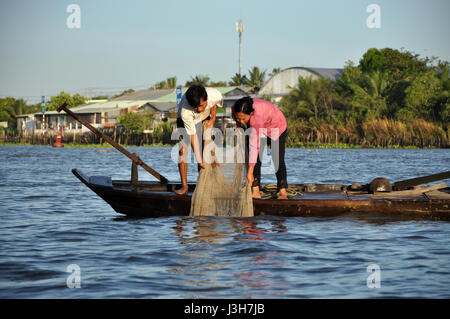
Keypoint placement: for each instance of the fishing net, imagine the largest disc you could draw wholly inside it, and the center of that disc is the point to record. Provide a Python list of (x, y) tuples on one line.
[(221, 189)]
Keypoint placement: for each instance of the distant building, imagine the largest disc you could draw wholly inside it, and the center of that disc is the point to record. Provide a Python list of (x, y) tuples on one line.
[(3, 127), (25, 123), (103, 114), (281, 83)]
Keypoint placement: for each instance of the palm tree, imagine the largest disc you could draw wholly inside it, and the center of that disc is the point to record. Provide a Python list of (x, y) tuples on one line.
[(274, 71), (310, 98), (372, 91), (307, 93), (238, 80), (202, 80), (365, 93), (171, 82), (326, 97), (218, 84), (20, 107), (256, 77), (376, 83)]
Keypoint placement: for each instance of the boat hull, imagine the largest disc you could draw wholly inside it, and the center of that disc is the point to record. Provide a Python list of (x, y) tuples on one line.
[(151, 199)]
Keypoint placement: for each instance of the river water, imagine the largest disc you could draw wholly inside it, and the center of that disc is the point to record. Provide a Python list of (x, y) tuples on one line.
[(55, 233)]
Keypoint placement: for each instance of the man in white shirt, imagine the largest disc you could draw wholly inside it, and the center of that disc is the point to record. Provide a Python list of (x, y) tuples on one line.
[(197, 105)]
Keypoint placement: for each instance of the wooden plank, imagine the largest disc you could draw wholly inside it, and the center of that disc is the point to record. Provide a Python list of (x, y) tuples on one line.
[(437, 195), (411, 192), (401, 185)]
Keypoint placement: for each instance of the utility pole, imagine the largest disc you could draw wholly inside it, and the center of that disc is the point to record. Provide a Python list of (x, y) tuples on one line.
[(239, 30), (43, 113)]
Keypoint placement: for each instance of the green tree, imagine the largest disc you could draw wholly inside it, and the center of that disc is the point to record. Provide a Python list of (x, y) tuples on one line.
[(363, 93), (372, 60), (100, 97), (421, 97), (346, 87), (400, 68), (218, 84), (78, 99), (8, 111), (442, 105), (64, 97), (10, 108), (202, 80), (125, 92), (172, 82), (374, 85), (403, 64), (238, 80), (136, 122), (163, 132), (256, 77), (169, 83), (310, 98), (274, 71)]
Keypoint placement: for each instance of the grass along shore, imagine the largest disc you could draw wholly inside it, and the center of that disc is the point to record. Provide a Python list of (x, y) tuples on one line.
[(294, 145)]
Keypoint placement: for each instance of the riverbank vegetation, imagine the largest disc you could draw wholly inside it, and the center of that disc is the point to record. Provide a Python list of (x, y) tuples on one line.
[(391, 98)]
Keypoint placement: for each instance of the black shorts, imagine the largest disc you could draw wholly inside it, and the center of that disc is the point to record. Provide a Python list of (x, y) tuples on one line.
[(198, 126), (180, 123)]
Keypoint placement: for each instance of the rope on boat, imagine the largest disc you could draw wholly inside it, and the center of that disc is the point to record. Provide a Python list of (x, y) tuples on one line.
[(269, 191)]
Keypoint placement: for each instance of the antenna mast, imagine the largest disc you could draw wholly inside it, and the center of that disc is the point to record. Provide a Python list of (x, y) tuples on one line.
[(239, 30)]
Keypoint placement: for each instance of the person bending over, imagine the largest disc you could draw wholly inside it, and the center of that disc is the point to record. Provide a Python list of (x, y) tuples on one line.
[(197, 105), (266, 121)]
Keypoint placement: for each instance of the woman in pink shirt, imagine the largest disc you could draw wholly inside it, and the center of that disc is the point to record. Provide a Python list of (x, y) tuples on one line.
[(265, 121)]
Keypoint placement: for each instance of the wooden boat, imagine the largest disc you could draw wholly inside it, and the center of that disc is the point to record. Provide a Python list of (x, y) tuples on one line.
[(155, 199)]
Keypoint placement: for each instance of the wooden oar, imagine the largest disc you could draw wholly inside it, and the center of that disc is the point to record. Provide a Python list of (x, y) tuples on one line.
[(401, 185), (412, 192), (133, 156)]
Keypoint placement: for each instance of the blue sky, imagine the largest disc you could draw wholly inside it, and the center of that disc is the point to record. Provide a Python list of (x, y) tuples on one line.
[(134, 44)]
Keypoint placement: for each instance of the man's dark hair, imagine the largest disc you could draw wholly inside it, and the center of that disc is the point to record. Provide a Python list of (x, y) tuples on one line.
[(195, 93), (244, 105)]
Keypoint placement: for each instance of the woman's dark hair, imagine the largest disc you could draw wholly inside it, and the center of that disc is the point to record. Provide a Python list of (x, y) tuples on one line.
[(244, 105), (195, 93)]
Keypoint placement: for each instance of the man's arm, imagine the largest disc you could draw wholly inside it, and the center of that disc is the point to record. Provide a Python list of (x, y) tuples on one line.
[(196, 148), (213, 116), (189, 126)]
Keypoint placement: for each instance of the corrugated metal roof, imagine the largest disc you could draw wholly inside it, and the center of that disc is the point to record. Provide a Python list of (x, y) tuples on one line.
[(282, 82), (172, 97), (101, 107), (164, 106), (332, 74), (147, 94)]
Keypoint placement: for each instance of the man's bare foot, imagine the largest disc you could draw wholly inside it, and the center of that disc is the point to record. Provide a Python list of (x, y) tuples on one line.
[(255, 192), (282, 194), (182, 191)]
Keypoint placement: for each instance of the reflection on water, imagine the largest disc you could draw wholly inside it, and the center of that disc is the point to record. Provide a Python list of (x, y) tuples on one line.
[(216, 230), (204, 238)]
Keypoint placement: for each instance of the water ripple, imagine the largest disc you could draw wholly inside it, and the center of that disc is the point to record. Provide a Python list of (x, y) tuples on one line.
[(51, 221)]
